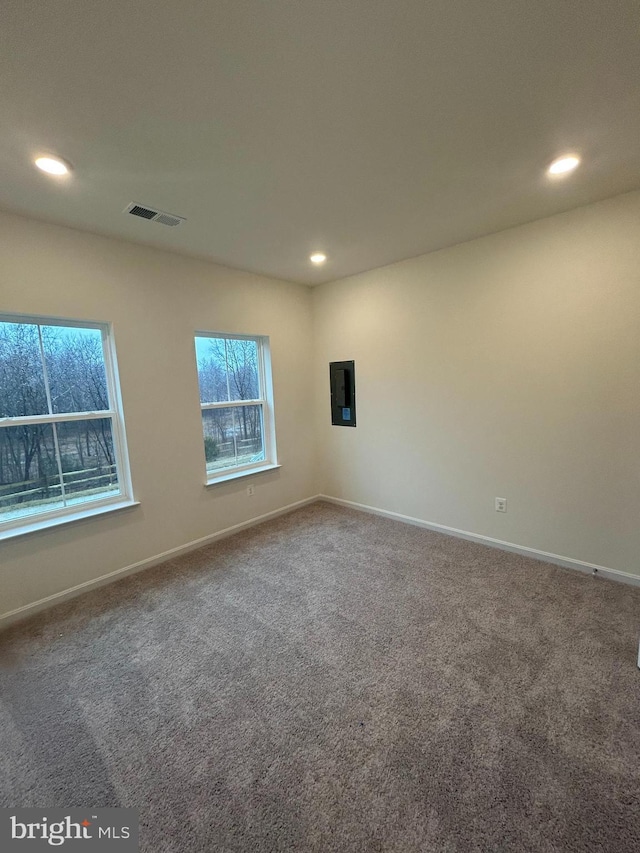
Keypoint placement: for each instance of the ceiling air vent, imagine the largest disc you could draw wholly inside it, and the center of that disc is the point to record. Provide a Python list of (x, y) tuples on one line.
[(153, 215)]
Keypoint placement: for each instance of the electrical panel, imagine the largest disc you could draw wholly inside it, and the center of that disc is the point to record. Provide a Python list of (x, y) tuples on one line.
[(342, 376)]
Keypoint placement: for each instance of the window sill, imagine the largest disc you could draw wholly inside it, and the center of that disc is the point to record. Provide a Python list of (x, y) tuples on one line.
[(236, 475), (46, 524)]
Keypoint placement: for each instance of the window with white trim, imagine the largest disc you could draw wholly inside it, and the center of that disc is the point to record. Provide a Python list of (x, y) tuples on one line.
[(62, 446), (234, 376)]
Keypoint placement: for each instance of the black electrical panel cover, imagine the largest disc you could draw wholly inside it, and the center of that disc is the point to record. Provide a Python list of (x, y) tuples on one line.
[(342, 375)]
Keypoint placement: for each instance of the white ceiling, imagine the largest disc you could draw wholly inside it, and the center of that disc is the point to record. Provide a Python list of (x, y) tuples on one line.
[(374, 130)]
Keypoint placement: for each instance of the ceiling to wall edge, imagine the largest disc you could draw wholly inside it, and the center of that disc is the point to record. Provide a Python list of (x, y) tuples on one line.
[(310, 285)]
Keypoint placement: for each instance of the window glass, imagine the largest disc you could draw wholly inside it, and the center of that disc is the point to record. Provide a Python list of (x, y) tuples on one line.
[(232, 370), (61, 438), (74, 360), (22, 388)]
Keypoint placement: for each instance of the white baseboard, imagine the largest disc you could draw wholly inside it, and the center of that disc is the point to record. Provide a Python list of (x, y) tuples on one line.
[(20, 613), (545, 556), (7, 619)]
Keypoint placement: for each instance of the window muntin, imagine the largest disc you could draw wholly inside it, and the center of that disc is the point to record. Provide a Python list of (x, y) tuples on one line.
[(235, 399), (61, 429)]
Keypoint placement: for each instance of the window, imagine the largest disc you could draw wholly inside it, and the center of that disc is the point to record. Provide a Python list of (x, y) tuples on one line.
[(235, 398), (61, 431)]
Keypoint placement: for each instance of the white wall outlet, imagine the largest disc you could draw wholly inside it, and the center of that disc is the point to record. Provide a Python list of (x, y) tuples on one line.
[(251, 490), (501, 504)]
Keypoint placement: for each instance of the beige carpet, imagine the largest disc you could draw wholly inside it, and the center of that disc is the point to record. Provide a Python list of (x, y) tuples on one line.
[(333, 681)]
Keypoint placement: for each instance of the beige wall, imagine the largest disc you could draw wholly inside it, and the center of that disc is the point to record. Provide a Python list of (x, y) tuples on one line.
[(508, 366), (156, 300)]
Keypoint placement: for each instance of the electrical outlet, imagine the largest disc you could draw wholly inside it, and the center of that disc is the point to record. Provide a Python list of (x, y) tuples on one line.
[(501, 504), (251, 490)]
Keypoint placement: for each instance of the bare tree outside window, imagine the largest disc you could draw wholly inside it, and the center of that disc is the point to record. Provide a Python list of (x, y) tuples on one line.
[(231, 376), (58, 436)]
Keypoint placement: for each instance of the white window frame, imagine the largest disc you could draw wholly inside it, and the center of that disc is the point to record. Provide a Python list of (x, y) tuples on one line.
[(265, 401), (119, 500)]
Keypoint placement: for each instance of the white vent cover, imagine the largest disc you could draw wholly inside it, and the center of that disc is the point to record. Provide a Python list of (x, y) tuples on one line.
[(153, 215)]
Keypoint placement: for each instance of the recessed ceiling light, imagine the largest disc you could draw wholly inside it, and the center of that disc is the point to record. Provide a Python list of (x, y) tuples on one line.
[(564, 164), (53, 165), (317, 258)]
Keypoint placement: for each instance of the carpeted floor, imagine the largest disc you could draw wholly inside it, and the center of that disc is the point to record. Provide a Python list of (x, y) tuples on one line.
[(334, 681)]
